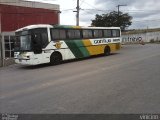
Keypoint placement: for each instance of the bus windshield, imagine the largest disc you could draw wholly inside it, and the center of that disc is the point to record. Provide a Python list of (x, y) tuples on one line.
[(23, 41)]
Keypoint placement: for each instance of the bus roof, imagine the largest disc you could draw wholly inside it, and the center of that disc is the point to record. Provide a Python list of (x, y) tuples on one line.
[(34, 26), (62, 26), (83, 27)]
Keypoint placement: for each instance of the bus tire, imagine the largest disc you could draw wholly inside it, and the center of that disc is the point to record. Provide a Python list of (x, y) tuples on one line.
[(107, 51), (55, 58)]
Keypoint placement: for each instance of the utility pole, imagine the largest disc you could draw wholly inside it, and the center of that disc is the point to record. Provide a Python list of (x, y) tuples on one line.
[(119, 7), (77, 15), (119, 12)]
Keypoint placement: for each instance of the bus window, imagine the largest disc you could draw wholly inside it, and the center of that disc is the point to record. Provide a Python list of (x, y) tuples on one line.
[(58, 34), (87, 34), (40, 36), (97, 33), (44, 39), (107, 33), (55, 34), (74, 34), (115, 33), (62, 34)]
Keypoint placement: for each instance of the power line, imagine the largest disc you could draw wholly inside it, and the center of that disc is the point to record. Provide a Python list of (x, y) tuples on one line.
[(90, 5), (98, 10), (128, 11), (89, 12), (68, 10), (146, 20), (81, 3)]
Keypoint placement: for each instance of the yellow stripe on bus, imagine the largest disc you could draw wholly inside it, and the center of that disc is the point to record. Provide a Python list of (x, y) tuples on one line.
[(78, 27), (99, 49), (114, 47), (93, 49)]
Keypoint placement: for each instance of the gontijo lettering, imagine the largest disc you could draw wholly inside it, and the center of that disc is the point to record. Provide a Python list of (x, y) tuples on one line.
[(116, 40), (102, 41)]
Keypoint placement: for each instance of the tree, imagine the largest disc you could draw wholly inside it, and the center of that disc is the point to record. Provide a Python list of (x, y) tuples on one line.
[(122, 20)]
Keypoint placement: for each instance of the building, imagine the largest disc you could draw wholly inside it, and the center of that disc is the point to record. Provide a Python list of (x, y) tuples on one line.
[(15, 14)]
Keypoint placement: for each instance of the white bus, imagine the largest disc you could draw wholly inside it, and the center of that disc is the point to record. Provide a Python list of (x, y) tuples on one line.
[(38, 44)]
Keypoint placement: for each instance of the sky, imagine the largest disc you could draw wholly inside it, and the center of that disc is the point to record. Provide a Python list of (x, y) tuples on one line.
[(145, 13)]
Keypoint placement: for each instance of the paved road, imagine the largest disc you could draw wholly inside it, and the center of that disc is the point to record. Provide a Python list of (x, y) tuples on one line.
[(125, 82)]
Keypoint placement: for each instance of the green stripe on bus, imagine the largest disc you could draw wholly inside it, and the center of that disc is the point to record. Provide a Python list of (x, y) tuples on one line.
[(81, 46), (77, 47), (73, 47)]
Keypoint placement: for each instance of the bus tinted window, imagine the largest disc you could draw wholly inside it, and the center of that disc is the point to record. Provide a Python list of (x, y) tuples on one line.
[(107, 33), (62, 34), (58, 34), (55, 34), (74, 34), (40, 37), (87, 34), (97, 33), (44, 39), (115, 33)]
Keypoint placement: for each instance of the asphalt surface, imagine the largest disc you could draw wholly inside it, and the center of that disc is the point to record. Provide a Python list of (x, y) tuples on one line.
[(125, 82)]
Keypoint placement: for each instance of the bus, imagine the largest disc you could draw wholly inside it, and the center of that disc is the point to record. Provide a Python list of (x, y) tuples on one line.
[(44, 43)]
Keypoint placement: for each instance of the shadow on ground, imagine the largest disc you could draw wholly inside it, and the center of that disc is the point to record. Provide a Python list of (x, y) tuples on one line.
[(63, 62)]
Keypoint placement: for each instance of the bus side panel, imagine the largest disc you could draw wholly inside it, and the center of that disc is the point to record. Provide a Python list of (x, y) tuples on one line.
[(85, 48), (93, 49), (66, 54), (77, 47), (114, 46), (63, 48)]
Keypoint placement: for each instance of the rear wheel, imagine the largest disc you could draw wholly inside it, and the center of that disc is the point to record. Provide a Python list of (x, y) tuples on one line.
[(107, 51), (55, 58)]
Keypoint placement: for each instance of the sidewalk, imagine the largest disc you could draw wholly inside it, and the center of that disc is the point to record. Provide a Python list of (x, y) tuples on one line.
[(7, 61)]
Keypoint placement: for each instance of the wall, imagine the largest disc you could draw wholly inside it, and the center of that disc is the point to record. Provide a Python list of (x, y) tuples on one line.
[(31, 4), (145, 37), (14, 17)]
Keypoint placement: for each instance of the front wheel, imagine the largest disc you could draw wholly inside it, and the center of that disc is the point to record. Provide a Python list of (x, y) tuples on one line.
[(55, 58), (107, 51)]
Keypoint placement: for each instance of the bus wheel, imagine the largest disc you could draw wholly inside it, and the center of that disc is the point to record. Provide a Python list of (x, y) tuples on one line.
[(107, 51), (55, 58)]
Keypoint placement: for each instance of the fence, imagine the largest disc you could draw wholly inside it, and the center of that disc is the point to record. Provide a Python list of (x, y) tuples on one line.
[(6, 48)]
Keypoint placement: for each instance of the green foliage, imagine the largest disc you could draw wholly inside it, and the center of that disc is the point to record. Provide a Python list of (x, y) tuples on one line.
[(112, 19)]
